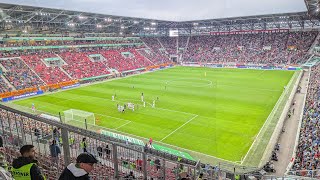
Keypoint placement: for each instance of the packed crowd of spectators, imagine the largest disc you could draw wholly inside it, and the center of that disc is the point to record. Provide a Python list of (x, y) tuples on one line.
[(262, 48), (68, 42), (19, 74), (80, 66), (116, 60), (49, 75), (3, 86), (308, 150), (158, 52), (170, 44), (259, 48)]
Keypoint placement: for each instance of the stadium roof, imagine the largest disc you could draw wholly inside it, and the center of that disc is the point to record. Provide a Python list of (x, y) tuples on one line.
[(313, 7), (173, 10), (30, 18)]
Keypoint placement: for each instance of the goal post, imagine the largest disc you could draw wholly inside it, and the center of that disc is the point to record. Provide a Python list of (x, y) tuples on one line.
[(79, 117)]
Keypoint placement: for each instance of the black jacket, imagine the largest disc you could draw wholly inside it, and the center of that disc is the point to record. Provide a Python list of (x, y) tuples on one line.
[(1, 141), (71, 172), (34, 171)]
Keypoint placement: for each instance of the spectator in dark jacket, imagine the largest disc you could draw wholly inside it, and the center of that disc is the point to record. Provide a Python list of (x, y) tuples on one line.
[(130, 176), (1, 141), (99, 150), (81, 169), (26, 166), (55, 151)]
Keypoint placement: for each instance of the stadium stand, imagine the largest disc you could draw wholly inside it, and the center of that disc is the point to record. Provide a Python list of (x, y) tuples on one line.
[(69, 42), (80, 66), (307, 156), (263, 48), (170, 44), (258, 48), (155, 46), (118, 61), (115, 160), (19, 74), (3, 86), (49, 75)]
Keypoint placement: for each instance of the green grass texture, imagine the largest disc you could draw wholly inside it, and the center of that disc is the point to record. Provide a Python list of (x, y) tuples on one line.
[(217, 112)]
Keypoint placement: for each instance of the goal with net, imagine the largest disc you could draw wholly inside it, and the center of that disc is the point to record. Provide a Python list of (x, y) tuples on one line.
[(75, 116)]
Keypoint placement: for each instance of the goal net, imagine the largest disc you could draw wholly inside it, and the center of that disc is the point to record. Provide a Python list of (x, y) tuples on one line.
[(79, 117)]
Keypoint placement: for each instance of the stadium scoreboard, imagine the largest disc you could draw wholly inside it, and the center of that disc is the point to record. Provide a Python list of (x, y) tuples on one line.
[(173, 33)]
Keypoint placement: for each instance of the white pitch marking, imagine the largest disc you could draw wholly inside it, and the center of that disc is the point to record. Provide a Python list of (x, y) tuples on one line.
[(179, 128)]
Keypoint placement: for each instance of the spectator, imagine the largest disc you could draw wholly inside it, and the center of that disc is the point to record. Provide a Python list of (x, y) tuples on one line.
[(37, 133), (25, 166), (108, 151), (1, 142), (200, 176), (83, 145), (99, 150), (130, 176), (139, 164), (157, 163), (81, 169), (55, 151), (56, 134)]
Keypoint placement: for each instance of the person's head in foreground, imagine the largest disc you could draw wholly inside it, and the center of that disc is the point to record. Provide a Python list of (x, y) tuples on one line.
[(86, 161), (81, 169), (28, 151)]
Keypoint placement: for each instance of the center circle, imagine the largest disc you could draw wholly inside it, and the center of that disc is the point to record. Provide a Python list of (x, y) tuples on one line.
[(189, 82)]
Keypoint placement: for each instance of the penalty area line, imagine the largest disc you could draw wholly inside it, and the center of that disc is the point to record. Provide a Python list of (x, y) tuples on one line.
[(179, 128)]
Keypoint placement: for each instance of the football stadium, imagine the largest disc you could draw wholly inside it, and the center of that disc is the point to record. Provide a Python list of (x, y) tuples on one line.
[(185, 91)]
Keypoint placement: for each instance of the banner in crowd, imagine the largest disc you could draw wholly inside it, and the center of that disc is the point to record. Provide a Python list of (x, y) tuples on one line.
[(71, 86), (172, 151), (50, 117), (121, 137), (249, 31), (141, 143), (21, 96), (242, 66)]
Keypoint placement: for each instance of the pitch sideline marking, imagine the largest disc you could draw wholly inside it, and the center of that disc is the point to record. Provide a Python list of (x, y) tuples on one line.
[(198, 79), (122, 125), (267, 122), (175, 111), (179, 128)]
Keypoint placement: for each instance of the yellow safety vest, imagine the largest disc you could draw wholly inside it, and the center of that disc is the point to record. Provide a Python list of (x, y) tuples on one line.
[(83, 144), (22, 173)]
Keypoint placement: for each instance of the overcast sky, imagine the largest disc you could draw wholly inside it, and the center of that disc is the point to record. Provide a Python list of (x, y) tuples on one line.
[(175, 10)]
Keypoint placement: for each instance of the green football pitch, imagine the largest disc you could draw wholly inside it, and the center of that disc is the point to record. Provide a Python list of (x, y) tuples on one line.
[(217, 112)]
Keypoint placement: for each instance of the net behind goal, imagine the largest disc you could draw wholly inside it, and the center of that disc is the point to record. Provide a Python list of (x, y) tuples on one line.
[(75, 116)]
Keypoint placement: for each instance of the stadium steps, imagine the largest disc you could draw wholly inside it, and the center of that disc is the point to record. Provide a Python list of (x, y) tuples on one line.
[(185, 49), (162, 46), (7, 82), (147, 47), (3, 68), (64, 63), (66, 73), (138, 50), (32, 70), (61, 59)]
